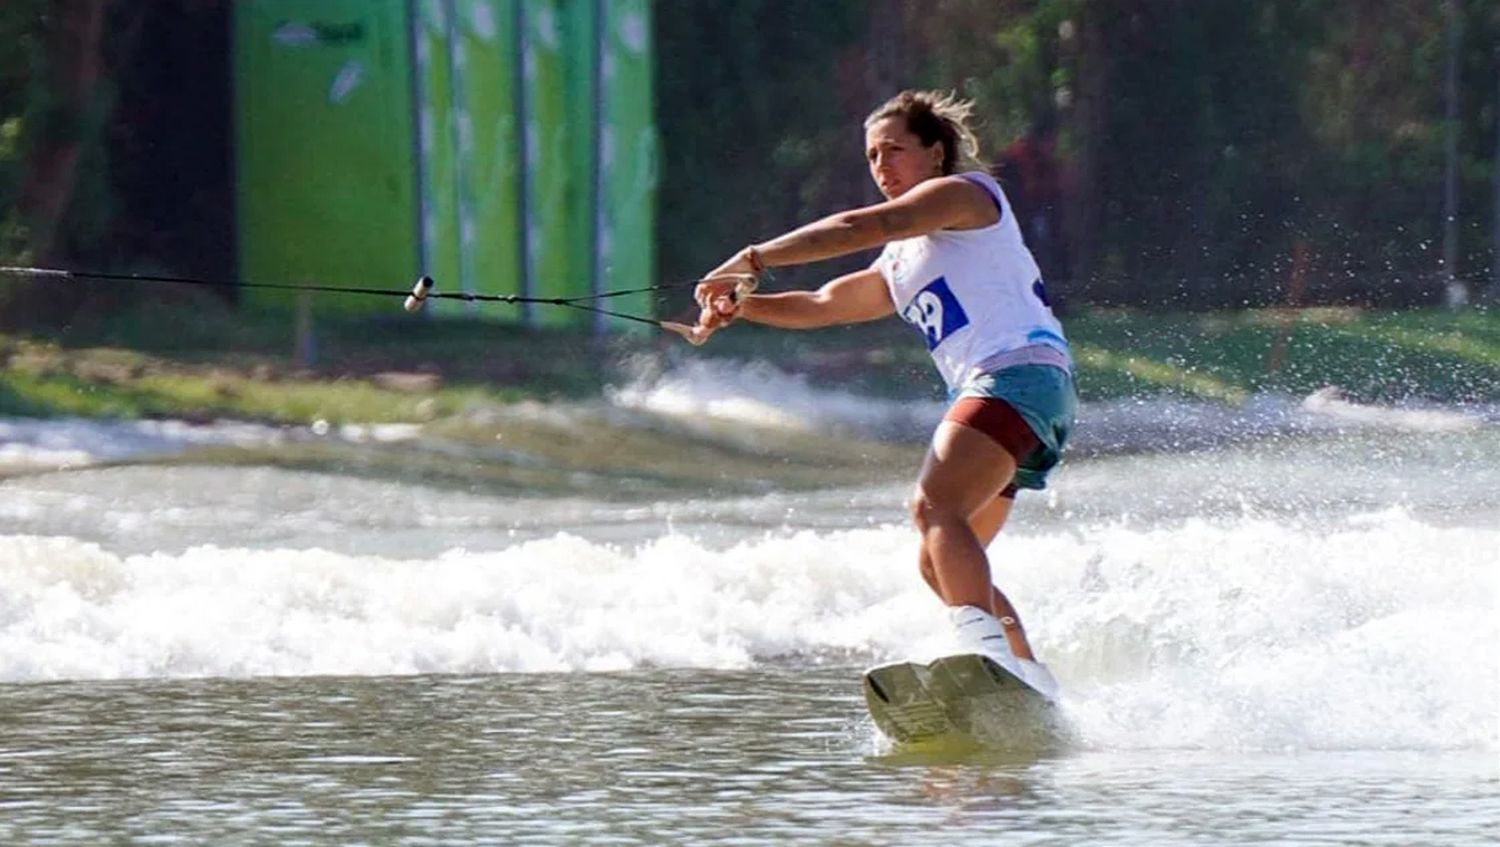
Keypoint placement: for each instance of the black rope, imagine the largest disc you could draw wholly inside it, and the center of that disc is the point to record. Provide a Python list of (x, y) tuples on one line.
[(580, 302)]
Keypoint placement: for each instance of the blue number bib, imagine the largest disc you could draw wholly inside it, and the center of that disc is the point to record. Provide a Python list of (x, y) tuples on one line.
[(935, 312)]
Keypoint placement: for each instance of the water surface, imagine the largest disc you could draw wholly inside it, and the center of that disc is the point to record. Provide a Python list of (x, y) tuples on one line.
[(765, 756), (1274, 625)]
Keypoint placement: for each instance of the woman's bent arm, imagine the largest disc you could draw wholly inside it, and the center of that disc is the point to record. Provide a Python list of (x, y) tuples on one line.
[(853, 298)]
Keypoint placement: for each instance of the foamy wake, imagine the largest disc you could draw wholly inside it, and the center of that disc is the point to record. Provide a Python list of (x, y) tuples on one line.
[(27, 443), (705, 395), (45, 444), (1377, 633), (761, 395)]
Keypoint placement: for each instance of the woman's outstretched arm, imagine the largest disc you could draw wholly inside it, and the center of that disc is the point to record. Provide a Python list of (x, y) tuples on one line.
[(943, 203)]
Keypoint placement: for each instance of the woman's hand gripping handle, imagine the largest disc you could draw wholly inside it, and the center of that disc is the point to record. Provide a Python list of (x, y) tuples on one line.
[(721, 295)]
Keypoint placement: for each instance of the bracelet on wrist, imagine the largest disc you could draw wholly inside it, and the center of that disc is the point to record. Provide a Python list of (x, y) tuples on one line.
[(758, 268)]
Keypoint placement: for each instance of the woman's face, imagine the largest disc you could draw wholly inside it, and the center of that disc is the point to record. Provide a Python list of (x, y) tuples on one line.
[(898, 159)]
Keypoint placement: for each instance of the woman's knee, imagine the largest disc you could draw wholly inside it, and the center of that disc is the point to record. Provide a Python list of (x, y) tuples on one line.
[(927, 512), (924, 567)]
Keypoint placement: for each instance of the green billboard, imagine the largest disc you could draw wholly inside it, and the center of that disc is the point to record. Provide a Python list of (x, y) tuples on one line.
[(628, 156), (504, 147), (490, 216), (467, 77), (326, 189)]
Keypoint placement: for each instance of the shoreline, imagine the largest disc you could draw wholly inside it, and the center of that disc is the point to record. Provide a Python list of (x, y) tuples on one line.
[(241, 366)]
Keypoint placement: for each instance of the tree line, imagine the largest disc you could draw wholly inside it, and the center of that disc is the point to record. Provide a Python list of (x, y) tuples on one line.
[(1174, 154), (1211, 153)]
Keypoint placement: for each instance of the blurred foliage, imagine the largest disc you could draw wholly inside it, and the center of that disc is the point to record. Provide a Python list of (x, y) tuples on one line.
[(56, 104), (1206, 139), (754, 105), (20, 54)]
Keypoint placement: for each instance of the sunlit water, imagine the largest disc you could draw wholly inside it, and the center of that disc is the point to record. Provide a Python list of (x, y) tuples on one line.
[(764, 756), (1271, 628)]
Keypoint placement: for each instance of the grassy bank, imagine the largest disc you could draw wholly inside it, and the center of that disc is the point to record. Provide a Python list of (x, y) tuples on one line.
[(210, 362)]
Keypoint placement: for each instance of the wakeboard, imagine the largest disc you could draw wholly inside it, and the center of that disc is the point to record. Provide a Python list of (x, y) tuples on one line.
[(966, 699)]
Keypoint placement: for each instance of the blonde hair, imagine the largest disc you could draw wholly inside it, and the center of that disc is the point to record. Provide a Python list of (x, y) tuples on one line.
[(936, 117)]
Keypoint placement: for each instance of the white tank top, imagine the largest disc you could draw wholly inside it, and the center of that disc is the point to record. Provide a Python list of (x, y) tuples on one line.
[(976, 295)]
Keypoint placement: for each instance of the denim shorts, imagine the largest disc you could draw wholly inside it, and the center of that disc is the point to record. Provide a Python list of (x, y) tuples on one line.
[(1045, 398)]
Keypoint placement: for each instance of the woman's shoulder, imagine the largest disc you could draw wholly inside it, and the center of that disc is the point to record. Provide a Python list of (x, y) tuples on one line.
[(992, 192), (979, 178)]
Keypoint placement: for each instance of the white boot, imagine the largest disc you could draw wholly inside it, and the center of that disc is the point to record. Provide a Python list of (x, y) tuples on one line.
[(978, 631), (1036, 675)]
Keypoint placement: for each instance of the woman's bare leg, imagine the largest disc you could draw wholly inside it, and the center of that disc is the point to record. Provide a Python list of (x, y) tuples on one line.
[(986, 522), (964, 472)]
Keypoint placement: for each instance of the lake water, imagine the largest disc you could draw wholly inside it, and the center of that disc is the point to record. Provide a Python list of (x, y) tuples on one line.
[(641, 620)]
